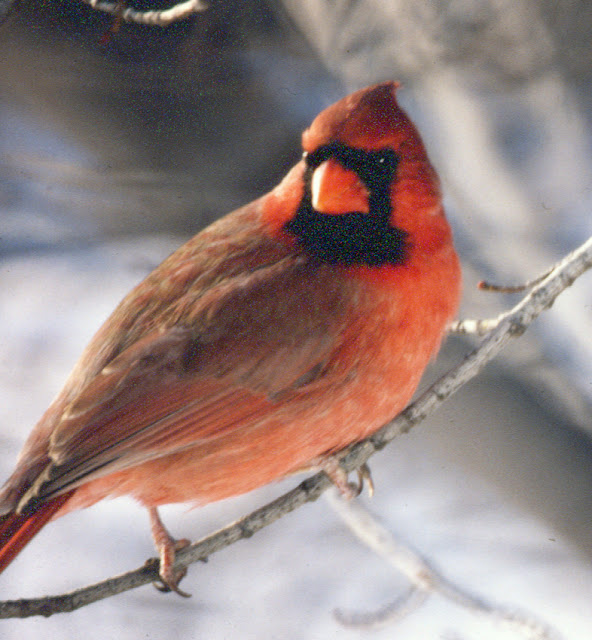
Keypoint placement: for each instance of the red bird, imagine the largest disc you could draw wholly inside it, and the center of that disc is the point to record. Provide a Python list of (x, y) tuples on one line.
[(280, 334)]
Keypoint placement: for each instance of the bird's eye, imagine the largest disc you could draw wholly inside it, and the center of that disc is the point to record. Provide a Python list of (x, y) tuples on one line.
[(385, 157)]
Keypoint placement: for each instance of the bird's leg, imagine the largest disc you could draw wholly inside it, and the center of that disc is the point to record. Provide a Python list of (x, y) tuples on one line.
[(167, 547)]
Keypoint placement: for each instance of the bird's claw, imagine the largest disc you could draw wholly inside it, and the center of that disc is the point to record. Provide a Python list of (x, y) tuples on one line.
[(169, 578), (170, 582), (339, 478), (365, 476)]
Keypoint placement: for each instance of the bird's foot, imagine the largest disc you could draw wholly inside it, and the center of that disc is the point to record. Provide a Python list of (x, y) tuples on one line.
[(339, 478), (167, 547)]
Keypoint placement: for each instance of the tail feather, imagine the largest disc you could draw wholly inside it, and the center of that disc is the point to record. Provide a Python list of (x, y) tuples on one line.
[(17, 529)]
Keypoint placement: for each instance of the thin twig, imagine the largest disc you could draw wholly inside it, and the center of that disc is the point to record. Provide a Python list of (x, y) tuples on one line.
[(163, 18), (484, 285), (425, 579), (511, 324)]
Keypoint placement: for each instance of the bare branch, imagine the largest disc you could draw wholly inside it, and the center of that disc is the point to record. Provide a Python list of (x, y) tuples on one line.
[(394, 611), (509, 325), (177, 12), (472, 327), (423, 576), (514, 288)]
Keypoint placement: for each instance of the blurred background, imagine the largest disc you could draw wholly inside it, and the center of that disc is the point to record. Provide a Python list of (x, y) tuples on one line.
[(116, 145)]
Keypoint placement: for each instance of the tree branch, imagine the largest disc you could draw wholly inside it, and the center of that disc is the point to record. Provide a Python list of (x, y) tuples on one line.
[(163, 18), (424, 577), (509, 325)]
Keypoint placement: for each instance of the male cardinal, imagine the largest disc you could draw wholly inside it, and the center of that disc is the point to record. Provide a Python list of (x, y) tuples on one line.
[(280, 334)]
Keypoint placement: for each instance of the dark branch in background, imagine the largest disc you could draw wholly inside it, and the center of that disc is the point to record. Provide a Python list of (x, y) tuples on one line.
[(508, 325), (163, 18)]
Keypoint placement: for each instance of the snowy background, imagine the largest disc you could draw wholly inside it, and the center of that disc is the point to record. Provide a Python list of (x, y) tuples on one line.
[(111, 155)]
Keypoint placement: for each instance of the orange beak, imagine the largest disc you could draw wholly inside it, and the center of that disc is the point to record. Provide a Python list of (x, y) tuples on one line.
[(337, 190)]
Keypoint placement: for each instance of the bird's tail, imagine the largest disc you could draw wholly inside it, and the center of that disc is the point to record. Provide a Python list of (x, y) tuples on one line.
[(17, 529)]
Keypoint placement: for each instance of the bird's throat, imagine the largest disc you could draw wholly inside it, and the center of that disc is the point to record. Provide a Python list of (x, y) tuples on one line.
[(365, 238)]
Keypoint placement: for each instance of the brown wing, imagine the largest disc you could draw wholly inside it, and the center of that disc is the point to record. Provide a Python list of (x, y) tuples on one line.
[(222, 357)]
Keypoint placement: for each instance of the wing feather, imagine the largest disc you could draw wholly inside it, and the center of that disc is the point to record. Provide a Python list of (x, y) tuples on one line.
[(249, 341)]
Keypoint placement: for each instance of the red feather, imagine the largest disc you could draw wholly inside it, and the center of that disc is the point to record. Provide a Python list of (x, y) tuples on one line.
[(17, 529)]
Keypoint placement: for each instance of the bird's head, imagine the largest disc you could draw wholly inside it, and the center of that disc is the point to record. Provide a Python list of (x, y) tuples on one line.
[(364, 192)]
